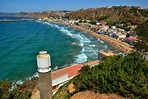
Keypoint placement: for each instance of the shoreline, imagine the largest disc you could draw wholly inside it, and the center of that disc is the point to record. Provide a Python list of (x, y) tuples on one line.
[(119, 45)]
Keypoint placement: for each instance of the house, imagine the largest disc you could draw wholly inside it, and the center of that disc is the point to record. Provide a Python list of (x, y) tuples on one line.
[(101, 32), (77, 21), (103, 22), (105, 27), (131, 34), (111, 34), (131, 37), (113, 27), (60, 76), (121, 36), (94, 28), (71, 22), (98, 23)]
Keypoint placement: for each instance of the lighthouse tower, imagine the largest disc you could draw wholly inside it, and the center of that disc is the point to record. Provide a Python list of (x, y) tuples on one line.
[(44, 71)]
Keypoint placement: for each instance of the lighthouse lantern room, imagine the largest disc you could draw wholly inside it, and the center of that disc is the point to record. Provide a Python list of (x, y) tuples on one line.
[(43, 62)]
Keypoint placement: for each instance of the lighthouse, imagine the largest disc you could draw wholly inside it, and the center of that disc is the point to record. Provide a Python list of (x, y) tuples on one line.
[(44, 71)]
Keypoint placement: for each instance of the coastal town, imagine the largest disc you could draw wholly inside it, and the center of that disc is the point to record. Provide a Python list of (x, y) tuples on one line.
[(117, 37), (123, 74)]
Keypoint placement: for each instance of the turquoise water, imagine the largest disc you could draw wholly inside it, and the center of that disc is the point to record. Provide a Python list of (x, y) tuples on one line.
[(20, 42)]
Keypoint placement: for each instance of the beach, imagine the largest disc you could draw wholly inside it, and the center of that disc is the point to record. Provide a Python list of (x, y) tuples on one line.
[(121, 46)]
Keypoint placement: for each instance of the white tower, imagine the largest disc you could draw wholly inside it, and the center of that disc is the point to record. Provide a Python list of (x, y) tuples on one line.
[(44, 71)]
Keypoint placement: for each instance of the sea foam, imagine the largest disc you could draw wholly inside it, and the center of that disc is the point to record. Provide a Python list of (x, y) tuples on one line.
[(48, 24), (80, 58), (64, 30)]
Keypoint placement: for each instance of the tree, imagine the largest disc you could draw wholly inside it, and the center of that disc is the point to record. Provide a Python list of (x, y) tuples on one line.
[(127, 76)]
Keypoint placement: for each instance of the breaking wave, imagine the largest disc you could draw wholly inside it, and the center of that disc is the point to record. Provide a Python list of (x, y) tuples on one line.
[(80, 58)]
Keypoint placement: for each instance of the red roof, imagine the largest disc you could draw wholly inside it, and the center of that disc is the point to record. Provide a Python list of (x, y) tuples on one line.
[(72, 70), (132, 38)]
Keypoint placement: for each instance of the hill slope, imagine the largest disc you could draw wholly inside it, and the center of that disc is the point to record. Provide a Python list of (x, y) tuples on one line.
[(130, 15), (127, 76)]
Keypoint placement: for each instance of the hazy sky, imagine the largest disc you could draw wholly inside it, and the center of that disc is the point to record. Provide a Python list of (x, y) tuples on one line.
[(43, 5)]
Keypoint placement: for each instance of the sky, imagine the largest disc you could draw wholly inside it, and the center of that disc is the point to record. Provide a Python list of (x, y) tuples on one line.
[(14, 6)]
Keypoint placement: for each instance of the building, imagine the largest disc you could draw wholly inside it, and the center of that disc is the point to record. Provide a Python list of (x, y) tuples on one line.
[(61, 76)]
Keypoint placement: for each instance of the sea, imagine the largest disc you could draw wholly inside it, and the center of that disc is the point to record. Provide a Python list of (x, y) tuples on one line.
[(20, 43)]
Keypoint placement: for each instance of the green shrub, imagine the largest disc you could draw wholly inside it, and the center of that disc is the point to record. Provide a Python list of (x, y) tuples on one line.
[(127, 76)]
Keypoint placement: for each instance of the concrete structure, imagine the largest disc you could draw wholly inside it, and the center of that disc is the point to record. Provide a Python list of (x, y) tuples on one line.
[(65, 74), (44, 71), (104, 53), (61, 76)]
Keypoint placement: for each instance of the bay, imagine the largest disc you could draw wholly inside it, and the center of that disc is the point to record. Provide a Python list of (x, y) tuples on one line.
[(20, 42)]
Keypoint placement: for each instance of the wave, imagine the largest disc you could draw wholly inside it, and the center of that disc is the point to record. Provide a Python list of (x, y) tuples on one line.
[(81, 44), (29, 78), (102, 42), (93, 45), (83, 50), (85, 39), (106, 47), (78, 44), (56, 26), (55, 68), (20, 82), (38, 21), (77, 36), (81, 58), (48, 24), (64, 30), (74, 43)]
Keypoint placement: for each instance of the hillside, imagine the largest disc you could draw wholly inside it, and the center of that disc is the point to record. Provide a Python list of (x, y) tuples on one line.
[(142, 32), (126, 76), (23, 91), (125, 14), (116, 14), (54, 14)]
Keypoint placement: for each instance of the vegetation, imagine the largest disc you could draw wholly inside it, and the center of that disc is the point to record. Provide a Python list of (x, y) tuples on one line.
[(23, 91), (128, 15), (127, 76), (142, 32), (5, 93), (93, 22), (103, 18), (63, 92)]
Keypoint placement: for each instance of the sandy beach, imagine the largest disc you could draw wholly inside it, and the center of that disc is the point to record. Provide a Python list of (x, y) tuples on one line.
[(121, 46)]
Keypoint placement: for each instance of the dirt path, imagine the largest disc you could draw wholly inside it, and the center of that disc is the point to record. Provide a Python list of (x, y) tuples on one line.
[(92, 95)]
